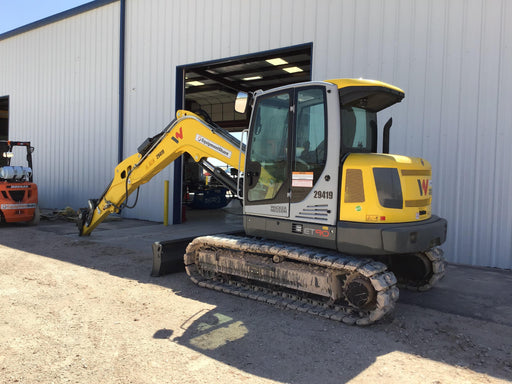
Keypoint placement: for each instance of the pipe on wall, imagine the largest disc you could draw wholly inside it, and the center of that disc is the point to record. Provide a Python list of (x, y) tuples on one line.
[(120, 140)]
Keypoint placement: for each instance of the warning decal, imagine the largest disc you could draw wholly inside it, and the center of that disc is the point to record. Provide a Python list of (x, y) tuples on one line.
[(302, 179)]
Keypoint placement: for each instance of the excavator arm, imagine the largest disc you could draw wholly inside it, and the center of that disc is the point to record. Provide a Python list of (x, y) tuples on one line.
[(188, 133)]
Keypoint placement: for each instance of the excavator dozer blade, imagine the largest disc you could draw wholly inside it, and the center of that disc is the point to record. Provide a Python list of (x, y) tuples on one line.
[(168, 256)]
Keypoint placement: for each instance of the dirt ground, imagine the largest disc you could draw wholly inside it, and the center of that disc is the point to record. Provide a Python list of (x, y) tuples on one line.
[(77, 311)]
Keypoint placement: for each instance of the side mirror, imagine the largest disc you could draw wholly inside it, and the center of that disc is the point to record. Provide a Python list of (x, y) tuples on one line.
[(241, 102)]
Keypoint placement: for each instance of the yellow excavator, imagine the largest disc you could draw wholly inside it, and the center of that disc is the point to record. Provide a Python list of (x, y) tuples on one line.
[(332, 227)]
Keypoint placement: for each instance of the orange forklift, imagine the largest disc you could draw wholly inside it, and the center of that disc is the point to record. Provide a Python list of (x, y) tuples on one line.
[(18, 193)]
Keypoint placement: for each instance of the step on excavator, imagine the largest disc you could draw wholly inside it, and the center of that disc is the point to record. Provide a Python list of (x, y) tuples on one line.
[(18, 192), (332, 227)]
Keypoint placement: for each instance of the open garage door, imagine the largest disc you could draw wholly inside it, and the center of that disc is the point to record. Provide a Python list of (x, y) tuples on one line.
[(211, 88), (4, 118)]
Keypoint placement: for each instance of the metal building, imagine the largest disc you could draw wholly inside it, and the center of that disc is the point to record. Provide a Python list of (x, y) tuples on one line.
[(89, 85)]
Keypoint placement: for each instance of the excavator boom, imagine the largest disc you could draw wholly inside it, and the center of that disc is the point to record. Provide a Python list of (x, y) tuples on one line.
[(188, 133)]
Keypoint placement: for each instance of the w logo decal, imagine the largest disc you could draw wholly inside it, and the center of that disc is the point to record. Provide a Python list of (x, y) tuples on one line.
[(423, 185), (178, 135)]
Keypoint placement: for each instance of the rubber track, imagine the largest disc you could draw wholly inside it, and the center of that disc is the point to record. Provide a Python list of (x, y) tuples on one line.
[(382, 280), (436, 258)]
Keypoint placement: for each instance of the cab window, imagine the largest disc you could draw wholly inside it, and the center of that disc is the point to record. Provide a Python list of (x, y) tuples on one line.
[(269, 147)]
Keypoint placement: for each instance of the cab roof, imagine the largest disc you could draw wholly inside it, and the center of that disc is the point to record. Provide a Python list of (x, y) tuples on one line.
[(372, 95)]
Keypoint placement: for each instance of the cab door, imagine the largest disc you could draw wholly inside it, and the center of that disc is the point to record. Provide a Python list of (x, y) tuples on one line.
[(309, 148), (267, 172), (287, 153)]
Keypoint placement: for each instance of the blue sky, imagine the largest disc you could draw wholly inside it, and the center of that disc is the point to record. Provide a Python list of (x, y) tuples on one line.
[(17, 13)]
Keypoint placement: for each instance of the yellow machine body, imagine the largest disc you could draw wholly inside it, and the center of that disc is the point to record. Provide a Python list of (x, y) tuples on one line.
[(360, 200)]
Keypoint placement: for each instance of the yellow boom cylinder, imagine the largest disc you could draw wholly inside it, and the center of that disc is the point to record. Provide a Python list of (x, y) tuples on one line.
[(166, 203)]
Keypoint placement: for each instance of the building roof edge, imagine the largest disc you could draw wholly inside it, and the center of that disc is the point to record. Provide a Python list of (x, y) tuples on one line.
[(57, 17)]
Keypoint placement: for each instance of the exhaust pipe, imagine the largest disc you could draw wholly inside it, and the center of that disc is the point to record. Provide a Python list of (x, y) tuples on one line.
[(385, 135)]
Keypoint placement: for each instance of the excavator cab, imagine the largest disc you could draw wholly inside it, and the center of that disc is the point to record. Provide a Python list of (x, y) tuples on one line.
[(313, 174)]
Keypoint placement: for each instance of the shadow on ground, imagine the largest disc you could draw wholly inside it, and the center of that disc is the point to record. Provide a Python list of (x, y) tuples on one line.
[(449, 324)]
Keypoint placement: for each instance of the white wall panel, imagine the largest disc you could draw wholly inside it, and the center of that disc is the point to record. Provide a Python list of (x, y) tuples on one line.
[(63, 96), (449, 57)]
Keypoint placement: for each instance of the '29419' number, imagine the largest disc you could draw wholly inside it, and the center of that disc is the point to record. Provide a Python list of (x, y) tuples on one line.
[(323, 194)]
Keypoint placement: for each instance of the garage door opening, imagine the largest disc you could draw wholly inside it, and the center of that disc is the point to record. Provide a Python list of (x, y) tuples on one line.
[(4, 118), (210, 89)]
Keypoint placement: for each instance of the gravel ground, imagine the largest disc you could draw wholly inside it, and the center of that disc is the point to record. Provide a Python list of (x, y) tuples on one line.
[(77, 311)]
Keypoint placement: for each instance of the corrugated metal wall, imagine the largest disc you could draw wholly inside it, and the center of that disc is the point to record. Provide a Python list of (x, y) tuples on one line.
[(63, 96), (452, 58)]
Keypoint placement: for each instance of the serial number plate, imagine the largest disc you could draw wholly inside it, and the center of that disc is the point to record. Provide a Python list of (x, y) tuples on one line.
[(329, 195)]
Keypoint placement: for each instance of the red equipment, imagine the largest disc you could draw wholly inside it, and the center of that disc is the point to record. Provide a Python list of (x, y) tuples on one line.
[(18, 193)]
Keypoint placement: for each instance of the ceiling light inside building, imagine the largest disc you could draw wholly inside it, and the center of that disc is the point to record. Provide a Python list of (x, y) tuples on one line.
[(195, 83), (293, 69), (277, 61), (252, 78)]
